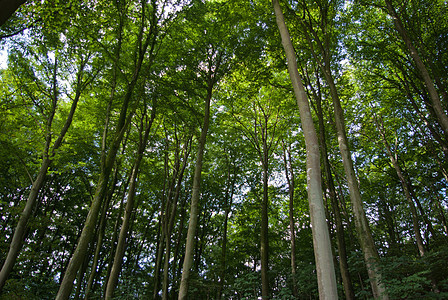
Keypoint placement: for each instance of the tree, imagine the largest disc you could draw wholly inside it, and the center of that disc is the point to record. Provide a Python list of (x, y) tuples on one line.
[(145, 40), (255, 164), (144, 130), (261, 124), (325, 64), (433, 94), (321, 238), (48, 109)]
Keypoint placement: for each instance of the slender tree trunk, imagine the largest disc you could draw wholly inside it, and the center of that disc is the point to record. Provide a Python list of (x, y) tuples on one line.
[(441, 212), (419, 205), (100, 237), (121, 246), (371, 256), (120, 249), (424, 119), (166, 267), (159, 259), (290, 179), (87, 233), (172, 215), (228, 200), (177, 261), (93, 272), (22, 226), (84, 240), (113, 241), (166, 211), (123, 122), (433, 94), (81, 274), (161, 228), (265, 294), (321, 239), (406, 190), (189, 248), (340, 239)]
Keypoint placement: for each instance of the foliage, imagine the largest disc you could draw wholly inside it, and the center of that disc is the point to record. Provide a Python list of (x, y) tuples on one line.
[(91, 49)]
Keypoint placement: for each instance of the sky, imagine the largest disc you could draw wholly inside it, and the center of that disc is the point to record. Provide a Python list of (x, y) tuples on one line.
[(3, 59)]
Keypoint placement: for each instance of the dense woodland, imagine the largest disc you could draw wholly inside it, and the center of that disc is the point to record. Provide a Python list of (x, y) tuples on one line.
[(201, 149)]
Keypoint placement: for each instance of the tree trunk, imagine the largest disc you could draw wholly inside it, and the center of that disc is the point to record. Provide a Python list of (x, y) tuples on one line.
[(172, 215), (49, 152), (406, 189), (265, 226), (123, 122), (340, 239), (371, 256), (87, 233), (228, 200), (177, 261), (290, 178), (321, 238), (189, 247), (121, 246), (22, 225), (100, 237), (113, 240)]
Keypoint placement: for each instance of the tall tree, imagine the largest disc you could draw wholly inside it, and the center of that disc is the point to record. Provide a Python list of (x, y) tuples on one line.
[(50, 149), (189, 248), (329, 182), (325, 60), (321, 238), (144, 130), (214, 60), (261, 124), (146, 38), (440, 112), (290, 178)]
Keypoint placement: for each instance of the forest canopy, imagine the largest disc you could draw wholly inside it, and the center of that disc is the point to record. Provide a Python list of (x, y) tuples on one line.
[(224, 149)]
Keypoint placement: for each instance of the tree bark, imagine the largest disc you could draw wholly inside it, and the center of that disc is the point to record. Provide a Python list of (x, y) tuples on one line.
[(262, 144), (121, 246), (100, 237), (228, 200), (371, 256), (340, 239), (189, 248), (290, 178), (321, 239), (158, 262), (22, 225), (124, 120), (49, 152), (406, 189), (265, 294), (114, 238), (172, 215), (87, 233)]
